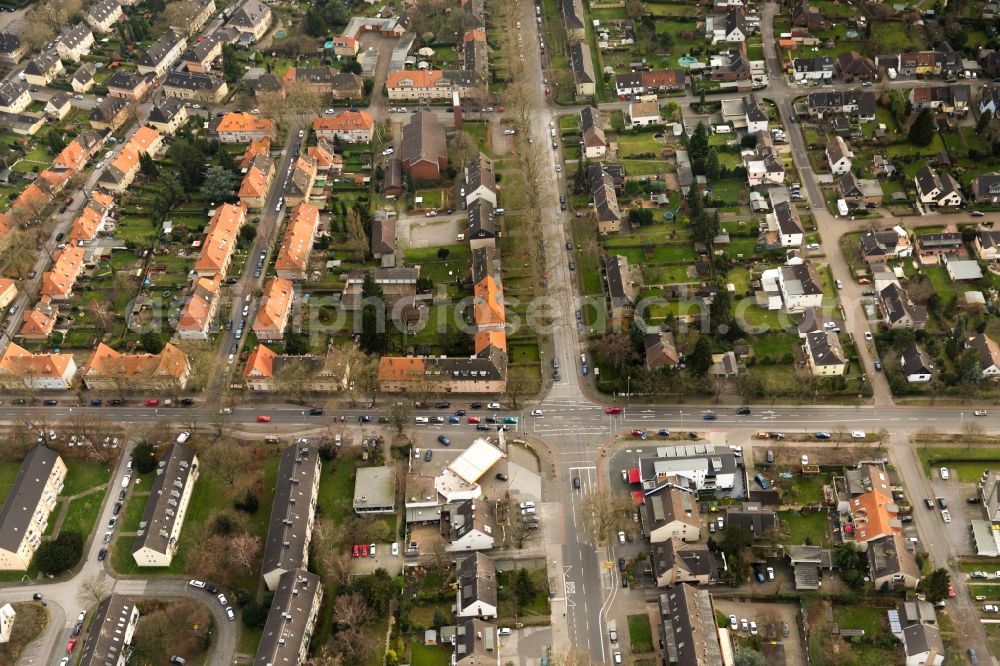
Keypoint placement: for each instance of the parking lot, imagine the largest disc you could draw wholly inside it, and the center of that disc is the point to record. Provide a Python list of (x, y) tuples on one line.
[(767, 616), (955, 494)]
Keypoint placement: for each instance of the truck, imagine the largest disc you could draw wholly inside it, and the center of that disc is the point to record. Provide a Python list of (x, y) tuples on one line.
[(613, 631)]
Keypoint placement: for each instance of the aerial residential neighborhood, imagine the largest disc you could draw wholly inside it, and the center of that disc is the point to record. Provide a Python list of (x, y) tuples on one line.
[(499, 332)]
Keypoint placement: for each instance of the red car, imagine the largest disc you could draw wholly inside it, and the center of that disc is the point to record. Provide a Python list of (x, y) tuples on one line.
[(864, 281), (70, 645), (364, 550), (638, 433), (613, 410), (152, 403), (263, 419), (474, 419), (356, 549)]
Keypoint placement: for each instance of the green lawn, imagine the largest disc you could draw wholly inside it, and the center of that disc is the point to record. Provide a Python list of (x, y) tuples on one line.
[(640, 633), (968, 463), (336, 489), (429, 655), (775, 346), (943, 285), (82, 514), (83, 475), (809, 528), (638, 145)]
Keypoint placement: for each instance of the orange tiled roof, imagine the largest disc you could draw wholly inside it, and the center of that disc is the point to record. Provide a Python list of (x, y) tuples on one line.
[(85, 226), (37, 324), (871, 516), (31, 199), (6, 223), (260, 363), (54, 179), (65, 270), (195, 313), (294, 253), (322, 155), (18, 361), (105, 201), (6, 284), (489, 302), (274, 306), (254, 148), (400, 368), (221, 237), (73, 157), (254, 183), (244, 122), (105, 361), (414, 79), (128, 157), (345, 121), (486, 338), (474, 35)]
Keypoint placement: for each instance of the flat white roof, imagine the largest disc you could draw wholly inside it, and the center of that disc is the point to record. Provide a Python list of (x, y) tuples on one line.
[(475, 461)]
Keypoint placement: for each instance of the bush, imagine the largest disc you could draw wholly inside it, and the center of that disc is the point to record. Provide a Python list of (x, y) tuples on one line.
[(249, 503), (254, 614), (60, 554)]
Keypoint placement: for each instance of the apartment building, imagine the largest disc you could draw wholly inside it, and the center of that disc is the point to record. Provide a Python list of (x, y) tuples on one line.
[(199, 310), (220, 240), (275, 309), (293, 257), (111, 632), (110, 370), (293, 513), (291, 620), (25, 515), (160, 528)]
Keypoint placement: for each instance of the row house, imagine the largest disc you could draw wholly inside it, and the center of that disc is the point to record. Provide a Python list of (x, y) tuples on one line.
[(937, 190), (418, 85), (195, 86), (257, 181), (199, 57), (220, 240), (574, 18), (852, 66), (324, 80), (236, 127), (122, 170), (198, 312), (162, 54), (943, 62), (166, 508), (301, 181), (112, 371), (816, 68), (593, 139), (947, 99), (293, 257), (858, 104), (268, 371), (480, 180), (606, 211), (349, 126), (42, 372), (987, 245), (641, 82), (75, 43), (293, 513), (424, 148), (729, 27), (274, 311), (582, 64), (67, 266), (83, 78)]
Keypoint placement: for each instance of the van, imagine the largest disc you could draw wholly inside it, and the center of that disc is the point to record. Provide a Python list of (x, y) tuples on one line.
[(460, 237), (183, 437)]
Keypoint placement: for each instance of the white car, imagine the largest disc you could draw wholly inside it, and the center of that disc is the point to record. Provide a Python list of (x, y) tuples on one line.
[(330, 112), (990, 608), (812, 246), (395, 549), (528, 512), (493, 405), (805, 459), (945, 516), (868, 336), (402, 109), (536, 412), (83, 614), (222, 599), (230, 614), (621, 538), (858, 434), (980, 412), (526, 505), (830, 324), (944, 473), (200, 584), (389, 150), (753, 628), (733, 623), (770, 573), (509, 132), (744, 625), (125, 481), (421, 419), (504, 631)]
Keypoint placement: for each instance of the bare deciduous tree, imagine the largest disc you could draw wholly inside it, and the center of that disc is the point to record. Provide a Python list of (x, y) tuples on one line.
[(93, 590), (605, 513), (351, 610), (244, 549)]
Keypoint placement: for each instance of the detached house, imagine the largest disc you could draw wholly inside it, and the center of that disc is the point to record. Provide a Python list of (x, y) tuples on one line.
[(103, 16), (755, 114), (621, 288), (989, 354), (12, 49), (660, 350), (642, 114), (818, 68), (167, 115), (729, 27), (860, 191), (476, 577), (763, 167), (852, 66), (602, 191), (75, 43), (899, 310), (784, 227), (986, 189), (671, 513), (839, 156), (674, 562), (163, 53), (199, 57), (916, 365), (467, 527), (14, 96), (274, 311), (43, 69), (987, 245), (824, 354), (424, 150), (83, 78), (252, 20), (130, 87), (937, 190)]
